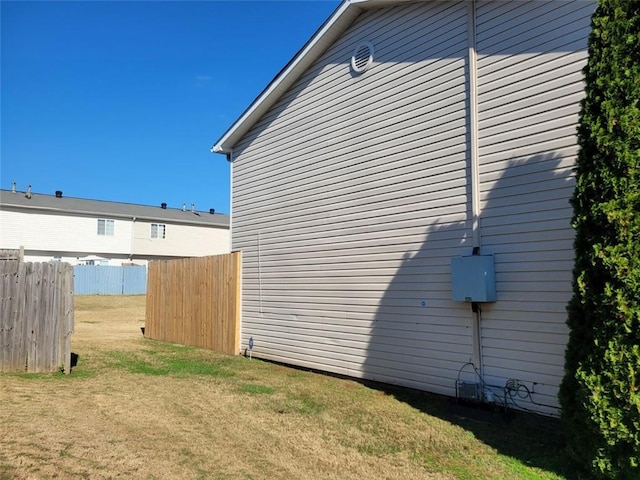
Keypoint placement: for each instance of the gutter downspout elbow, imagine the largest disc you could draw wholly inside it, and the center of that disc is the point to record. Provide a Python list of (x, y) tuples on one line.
[(228, 152)]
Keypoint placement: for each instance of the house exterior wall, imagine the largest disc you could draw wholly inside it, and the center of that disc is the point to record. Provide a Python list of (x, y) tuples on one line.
[(68, 238), (350, 198), (43, 232), (353, 193), (189, 240), (529, 92)]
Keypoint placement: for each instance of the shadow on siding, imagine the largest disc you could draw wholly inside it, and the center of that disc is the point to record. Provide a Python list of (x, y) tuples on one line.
[(420, 338)]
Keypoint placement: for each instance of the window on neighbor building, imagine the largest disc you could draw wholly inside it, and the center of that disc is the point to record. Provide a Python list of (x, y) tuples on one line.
[(158, 230), (105, 227)]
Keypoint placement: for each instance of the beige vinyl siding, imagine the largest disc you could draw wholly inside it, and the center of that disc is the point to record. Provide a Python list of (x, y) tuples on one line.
[(62, 233), (352, 194), (530, 57), (48, 235), (349, 199), (179, 240)]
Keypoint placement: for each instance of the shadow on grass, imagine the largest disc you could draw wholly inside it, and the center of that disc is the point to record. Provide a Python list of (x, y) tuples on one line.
[(438, 338), (531, 439), (534, 440)]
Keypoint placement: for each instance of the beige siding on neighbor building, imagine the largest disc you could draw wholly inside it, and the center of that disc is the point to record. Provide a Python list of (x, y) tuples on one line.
[(188, 240), (62, 233), (349, 199), (70, 237)]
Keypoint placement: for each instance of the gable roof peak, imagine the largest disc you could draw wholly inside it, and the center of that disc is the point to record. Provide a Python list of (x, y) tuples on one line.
[(328, 32)]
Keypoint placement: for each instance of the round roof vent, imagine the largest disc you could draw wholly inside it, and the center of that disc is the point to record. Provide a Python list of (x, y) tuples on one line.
[(362, 57)]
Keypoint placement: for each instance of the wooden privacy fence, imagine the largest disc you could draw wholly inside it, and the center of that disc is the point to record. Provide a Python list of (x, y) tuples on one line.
[(195, 301), (36, 316), (10, 254)]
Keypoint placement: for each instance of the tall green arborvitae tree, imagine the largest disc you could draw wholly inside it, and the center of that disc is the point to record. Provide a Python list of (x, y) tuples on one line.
[(600, 394)]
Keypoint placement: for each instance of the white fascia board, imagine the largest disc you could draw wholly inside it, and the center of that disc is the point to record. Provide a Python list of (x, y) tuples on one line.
[(328, 33), (337, 23)]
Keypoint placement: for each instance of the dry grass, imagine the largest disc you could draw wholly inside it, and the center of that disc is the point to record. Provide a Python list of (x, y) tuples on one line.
[(139, 409)]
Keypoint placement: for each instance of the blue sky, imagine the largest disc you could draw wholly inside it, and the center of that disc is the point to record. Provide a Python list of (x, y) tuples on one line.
[(122, 100)]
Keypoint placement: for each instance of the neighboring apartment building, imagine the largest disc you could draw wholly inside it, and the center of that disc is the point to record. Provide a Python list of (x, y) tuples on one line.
[(94, 232)]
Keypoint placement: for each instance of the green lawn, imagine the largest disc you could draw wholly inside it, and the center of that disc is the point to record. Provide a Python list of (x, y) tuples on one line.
[(137, 408)]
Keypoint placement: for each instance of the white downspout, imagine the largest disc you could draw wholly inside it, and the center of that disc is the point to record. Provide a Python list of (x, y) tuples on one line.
[(474, 154), (473, 128), (230, 160)]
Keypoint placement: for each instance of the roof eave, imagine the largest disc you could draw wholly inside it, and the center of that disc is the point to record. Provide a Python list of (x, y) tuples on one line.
[(335, 25)]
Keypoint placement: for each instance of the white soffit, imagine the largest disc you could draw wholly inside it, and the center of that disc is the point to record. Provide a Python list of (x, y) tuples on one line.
[(328, 33)]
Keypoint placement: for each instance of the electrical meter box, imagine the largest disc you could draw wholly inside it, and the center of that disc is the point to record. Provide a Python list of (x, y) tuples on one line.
[(473, 278)]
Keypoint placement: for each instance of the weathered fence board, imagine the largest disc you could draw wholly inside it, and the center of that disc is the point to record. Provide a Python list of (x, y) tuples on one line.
[(11, 254), (37, 316), (110, 280), (194, 301)]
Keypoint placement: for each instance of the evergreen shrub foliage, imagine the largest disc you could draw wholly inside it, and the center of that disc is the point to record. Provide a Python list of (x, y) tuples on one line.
[(600, 394)]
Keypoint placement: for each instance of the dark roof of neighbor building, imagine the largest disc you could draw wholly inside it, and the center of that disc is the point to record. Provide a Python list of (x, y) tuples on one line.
[(38, 202)]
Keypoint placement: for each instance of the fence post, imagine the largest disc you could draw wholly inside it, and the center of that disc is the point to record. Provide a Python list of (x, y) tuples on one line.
[(237, 313), (67, 314)]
